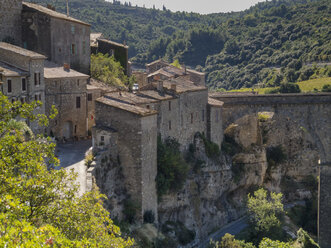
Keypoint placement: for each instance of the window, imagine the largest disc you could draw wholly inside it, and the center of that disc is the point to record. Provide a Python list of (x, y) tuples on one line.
[(23, 84), (102, 138), (13, 100), (169, 106), (78, 102), (9, 85), (75, 128), (73, 49), (89, 97), (72, 29), (23, 99), (37, 97), (191, 118), (148, 107), (203, 115), (37, 78), (169, 125)]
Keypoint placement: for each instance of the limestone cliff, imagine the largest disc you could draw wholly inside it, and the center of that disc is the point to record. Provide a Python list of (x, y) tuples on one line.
[(216, 189), (216, 193)]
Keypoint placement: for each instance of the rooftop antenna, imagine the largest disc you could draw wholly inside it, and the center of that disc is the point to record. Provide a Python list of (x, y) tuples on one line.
[(68, 8)]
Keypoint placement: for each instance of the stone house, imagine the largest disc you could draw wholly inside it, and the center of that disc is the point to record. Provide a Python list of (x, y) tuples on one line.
[(62, 39), (95, 89), (160, 69), (120, 51), (134, 131), (10, 21), (22, 74), (65, 88)]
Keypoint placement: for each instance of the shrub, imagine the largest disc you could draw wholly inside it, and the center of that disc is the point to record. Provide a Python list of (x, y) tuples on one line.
[(130, 210), (272, 91), (172, 169), (276, 155), (230, 146), (149, 216), (305, 240), (326, 88), (89, 159), (211, 148), (289, 88)]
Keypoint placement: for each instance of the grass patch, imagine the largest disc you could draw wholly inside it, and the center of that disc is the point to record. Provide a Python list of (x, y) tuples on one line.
[(312, 85)]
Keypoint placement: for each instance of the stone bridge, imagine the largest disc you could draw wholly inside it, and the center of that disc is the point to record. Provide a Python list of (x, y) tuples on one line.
[(311, 112)]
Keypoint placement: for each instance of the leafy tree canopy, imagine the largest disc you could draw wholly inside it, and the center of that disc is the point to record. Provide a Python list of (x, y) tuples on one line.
[(39, 205)]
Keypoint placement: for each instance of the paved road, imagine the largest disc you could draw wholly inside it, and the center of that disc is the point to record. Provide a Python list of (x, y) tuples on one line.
[(237, 226), (233, 228), (72, 156)]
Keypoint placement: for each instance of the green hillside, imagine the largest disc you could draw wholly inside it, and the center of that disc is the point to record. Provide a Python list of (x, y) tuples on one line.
[(268, 44), (312, 85)]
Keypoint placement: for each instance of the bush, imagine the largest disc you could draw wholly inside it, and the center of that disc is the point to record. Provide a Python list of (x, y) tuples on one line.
[(89, 159), (289, 88), (130, 210), (172, 169), (272, 91), (276, 155), (149, 217), (326, 88), (230, 146), (211, 148)]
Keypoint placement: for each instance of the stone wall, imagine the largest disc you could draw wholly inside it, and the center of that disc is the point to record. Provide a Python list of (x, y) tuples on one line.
[(10, 20), (137, 137), (214, 126), (70, 121)]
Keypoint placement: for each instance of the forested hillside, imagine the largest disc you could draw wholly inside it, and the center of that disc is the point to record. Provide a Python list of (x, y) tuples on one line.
[(267, 44)]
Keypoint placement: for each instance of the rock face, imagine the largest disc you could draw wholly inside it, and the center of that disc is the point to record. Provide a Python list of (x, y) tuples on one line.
[(215, 191), (215, 195)]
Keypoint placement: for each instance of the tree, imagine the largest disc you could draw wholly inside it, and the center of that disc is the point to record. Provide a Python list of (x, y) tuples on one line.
[(38, 204), (289, 88), (265, 212), (107, 70), (171, 168), (228, 241)]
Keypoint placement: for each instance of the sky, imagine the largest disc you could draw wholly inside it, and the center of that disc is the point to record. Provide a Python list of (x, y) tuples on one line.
[(199, 6)]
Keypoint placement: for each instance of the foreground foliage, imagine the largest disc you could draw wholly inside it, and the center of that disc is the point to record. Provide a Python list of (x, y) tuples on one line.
[(39, 205)]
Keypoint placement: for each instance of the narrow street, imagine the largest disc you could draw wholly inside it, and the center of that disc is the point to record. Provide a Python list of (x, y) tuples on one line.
[(72, 156)]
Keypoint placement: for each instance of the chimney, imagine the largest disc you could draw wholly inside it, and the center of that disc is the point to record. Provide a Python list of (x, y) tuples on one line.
[(66, 67), (68, 8), (174, 87)]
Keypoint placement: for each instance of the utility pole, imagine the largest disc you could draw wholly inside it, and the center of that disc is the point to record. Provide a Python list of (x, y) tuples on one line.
[(68, 8)]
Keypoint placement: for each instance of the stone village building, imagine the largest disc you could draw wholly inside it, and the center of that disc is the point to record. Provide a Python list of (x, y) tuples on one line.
[(129, 123), (62, 39), (22, 77)]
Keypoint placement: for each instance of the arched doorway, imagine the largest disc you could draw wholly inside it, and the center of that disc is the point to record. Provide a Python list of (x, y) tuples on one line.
[(67, 130)]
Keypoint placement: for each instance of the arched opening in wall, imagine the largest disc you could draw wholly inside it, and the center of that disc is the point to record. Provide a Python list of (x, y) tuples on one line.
[(67, 130)]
